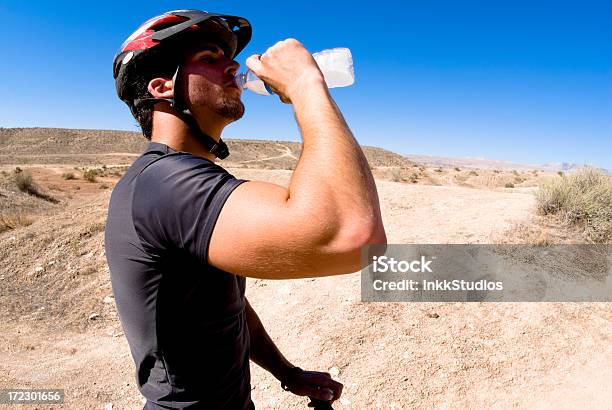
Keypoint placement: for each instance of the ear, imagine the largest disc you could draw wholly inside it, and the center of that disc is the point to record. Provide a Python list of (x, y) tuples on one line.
[(161, 88)]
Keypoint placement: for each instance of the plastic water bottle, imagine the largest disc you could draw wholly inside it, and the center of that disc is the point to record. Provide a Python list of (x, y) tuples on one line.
[(336, 64)]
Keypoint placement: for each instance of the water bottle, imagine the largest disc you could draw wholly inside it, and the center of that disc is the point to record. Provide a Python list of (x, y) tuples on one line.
[(336, 64)]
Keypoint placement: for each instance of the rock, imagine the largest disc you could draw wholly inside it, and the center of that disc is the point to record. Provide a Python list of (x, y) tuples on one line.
[(39, 269), (51, 263), (109, 299), (334, 371), (93, 316), (12, 238), (432, 315), (109, 406), (118, 334), (345, 402)]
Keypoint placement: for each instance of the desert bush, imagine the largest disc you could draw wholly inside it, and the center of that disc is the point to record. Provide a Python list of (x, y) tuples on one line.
[(509, 185), (397, 175), (90, 175), (103, 186), (584, 198), (24, 181), (473, 173), (560, 173), (13, 221), (496, 171), (68, 175), (457, 169), (414, 177), (439, 169), (515, 172)]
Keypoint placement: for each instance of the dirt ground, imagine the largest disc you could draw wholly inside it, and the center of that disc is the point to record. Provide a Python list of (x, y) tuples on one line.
[(59, 328)]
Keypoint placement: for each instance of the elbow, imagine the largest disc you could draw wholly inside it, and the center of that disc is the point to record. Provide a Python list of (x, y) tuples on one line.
[(369, 233), (355, 242)]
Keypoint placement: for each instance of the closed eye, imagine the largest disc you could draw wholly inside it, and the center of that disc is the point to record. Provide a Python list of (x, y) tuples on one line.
[(208, 59)]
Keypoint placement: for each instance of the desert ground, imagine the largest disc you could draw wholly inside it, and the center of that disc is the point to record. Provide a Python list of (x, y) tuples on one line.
[(59, 327)]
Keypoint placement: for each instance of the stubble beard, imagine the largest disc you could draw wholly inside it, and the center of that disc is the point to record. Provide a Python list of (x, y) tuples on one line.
[(229, 107), (217, 100)]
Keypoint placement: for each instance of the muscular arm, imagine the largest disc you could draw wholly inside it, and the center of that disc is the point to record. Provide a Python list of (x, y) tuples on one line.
[(317, 225), (263, 350)]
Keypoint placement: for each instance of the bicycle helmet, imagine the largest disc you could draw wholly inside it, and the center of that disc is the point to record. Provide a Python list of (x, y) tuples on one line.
[(161, 40)]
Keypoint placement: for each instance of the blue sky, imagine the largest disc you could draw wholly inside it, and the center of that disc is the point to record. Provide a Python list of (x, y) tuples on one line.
[(521, 81)]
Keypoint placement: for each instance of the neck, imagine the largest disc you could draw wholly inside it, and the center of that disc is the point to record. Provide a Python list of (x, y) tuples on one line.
[(171, 130)]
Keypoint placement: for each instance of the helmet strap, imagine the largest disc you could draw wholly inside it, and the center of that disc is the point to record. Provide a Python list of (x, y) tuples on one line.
[(218, 149)]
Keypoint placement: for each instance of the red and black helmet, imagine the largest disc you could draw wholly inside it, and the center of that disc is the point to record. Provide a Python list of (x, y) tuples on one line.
[(166, 32)]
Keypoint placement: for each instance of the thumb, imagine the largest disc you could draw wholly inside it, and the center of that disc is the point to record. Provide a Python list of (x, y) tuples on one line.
[(254, 63)]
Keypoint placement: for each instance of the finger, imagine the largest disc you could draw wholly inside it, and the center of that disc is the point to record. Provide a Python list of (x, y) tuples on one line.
[(254, 63), (323, 394), (326, 381), (332, 385)]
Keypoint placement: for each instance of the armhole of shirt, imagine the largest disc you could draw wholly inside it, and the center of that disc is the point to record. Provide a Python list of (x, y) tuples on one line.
[(217, 205)]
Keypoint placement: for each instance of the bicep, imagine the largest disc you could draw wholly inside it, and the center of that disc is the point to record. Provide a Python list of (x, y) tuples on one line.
[(258, 234)]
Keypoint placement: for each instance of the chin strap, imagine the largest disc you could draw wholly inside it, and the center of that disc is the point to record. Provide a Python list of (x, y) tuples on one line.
[(218, 149)]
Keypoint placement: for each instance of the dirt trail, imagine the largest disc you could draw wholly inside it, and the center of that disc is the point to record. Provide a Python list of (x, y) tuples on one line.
[(389, 356), (288, 153)]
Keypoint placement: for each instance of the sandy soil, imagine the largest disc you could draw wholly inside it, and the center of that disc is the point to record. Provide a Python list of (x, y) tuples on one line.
[(389, 356)]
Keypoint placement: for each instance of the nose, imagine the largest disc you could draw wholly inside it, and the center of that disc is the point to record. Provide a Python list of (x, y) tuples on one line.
[(232, 68)]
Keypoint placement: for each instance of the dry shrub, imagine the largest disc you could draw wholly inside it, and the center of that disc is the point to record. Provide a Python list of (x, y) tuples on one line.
[(13, 221), (90, 175), (25, 183), (509, 185), (23, 180), (584, 198), (68, 175), (397, 174), (473, 173)]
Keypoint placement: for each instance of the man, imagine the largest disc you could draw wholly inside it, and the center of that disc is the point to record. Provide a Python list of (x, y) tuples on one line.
[(182, 233)]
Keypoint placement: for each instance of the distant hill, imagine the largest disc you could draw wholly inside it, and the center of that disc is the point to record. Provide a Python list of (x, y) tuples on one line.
[(97, 147), (483, 163)]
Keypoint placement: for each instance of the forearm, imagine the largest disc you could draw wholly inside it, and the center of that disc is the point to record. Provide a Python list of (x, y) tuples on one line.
[(263, 351), (332, 177)]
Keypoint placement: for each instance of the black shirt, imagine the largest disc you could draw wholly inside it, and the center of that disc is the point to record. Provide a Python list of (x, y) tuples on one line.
[(183, 318)]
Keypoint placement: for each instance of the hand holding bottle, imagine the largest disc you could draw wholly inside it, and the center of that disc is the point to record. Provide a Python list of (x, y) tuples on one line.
[(287, 68)]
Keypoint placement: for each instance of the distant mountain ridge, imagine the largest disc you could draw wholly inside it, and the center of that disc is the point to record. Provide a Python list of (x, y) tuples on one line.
[(98, 147), (483, 163)]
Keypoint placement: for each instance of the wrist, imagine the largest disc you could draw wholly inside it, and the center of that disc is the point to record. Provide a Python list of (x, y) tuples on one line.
[(306, 84), (288, 374), (284, 370)]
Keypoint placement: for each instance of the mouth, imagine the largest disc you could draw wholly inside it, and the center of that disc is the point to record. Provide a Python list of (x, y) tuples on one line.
[(232, 84)]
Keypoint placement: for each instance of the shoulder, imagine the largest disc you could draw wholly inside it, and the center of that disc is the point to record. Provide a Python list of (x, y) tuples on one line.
[(178, 178)]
